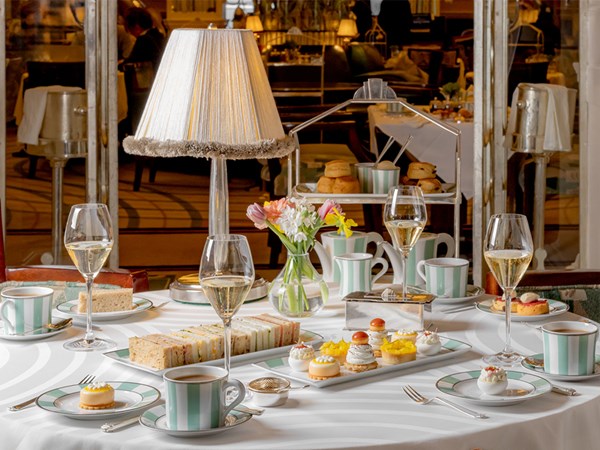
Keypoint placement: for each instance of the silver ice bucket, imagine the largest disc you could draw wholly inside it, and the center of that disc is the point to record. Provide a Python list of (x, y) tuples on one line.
[(65, 118), (532, 107)]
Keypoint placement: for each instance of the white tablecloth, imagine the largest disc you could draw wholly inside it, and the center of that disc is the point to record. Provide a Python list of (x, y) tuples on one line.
[(370, 413), (430, 143)]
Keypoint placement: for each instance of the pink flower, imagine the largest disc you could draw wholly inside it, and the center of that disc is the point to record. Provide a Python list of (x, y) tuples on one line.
[(328, 208), (274, 209), (257, 214)]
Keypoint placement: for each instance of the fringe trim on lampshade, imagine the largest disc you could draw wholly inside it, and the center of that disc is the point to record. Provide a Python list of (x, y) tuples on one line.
[(271, 148)]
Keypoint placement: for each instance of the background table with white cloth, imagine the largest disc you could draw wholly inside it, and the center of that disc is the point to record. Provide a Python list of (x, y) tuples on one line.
[(430, 143), (368, 413)]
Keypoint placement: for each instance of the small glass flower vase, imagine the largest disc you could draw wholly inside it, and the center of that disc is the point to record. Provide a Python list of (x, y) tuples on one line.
[(298, 290)]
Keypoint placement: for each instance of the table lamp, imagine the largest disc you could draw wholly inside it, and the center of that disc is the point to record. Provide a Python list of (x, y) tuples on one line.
[(211, 98), (347, 30), (254, 24)]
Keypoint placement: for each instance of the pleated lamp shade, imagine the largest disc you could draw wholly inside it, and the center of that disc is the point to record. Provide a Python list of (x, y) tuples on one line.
[(254, 23), (210, 98), (347, 28)]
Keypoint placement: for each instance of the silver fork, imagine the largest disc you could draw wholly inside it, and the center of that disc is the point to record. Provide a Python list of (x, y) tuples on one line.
[(85, 380), (416, 397)]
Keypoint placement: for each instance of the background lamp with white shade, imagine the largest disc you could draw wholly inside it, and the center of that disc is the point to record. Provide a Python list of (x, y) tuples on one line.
[(211, 98)]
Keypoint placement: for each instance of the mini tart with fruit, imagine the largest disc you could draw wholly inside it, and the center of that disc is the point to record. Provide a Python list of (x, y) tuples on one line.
[(532, 305), (97, 396), (377, 333), (410, 335), (323, 367), (338, 350), (398, 351), (360, 357)]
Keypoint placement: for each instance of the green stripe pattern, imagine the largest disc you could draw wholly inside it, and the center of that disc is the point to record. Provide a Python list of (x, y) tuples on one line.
[(29, 310), (569, 354), (336, 245), (384, 180)]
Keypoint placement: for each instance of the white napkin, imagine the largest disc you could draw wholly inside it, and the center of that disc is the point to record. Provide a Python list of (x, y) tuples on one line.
[(559, 126), (34, 110)]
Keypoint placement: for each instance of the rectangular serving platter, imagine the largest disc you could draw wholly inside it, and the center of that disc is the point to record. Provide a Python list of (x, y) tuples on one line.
[(309, 192), (451, 348), (122, 355)]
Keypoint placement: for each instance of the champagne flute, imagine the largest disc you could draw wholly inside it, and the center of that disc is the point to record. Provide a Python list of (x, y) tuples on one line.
[(89, 240), (508, 249), (226, 276), (405, 216)]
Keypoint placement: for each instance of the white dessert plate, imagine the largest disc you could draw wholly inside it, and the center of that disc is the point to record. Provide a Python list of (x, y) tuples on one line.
[(450, 349), (556, 308), (140, 304), (521, 386), (32, 337), (472, 293), (129, 397), (540, 370), (156, 419), (122, 355)]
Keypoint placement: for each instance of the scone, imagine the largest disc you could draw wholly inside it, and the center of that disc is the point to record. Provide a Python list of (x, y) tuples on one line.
[(397, 352), (346, 185), (337, 168), (323, 367), (531, 304), (97, 396), (430, 185), (408, 181), (420, 170), (360, 356), (325, 185), (498, 304), (338, 350)]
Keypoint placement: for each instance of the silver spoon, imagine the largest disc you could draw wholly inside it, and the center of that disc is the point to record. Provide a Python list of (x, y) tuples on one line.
[(51, 326)]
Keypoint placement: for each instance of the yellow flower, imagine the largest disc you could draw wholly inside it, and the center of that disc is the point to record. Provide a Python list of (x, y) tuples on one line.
[(339, 220)]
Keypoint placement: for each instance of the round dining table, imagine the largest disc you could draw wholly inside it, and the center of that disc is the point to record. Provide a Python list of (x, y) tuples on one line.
[(368, 413)]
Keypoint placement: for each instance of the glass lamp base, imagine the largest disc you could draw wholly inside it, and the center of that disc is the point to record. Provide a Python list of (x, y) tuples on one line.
[(82, 345), (503, 359)]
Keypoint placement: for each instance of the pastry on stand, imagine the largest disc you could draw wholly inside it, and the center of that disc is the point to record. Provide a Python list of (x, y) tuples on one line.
[(377, 333)]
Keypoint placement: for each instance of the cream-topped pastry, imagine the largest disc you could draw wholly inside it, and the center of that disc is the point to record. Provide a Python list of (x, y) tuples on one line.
[(300, 356), (492, 380), (360, 357), (97, 395), (377, 333), (323, 367), (428, 343), (410, 335)]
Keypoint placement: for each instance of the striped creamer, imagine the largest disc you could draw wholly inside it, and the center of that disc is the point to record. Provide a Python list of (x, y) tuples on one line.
[(569, 348)]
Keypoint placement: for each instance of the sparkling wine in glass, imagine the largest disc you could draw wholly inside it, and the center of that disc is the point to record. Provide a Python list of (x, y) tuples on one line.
[(508, 249), (405, 216), (88, 240), (226, 276)]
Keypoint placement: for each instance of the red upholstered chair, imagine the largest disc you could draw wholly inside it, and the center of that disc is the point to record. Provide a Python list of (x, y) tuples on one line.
[(137, 279)]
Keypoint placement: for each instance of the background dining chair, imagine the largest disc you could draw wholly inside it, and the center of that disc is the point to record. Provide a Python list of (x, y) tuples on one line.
[(580, 289), (135, 279)]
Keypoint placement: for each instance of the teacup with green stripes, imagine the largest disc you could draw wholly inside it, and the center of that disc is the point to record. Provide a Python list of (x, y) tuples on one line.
[(356, 271), (445, 277), (569, 347), (364, 171), (385, 179), (25, 309), (196, 397)]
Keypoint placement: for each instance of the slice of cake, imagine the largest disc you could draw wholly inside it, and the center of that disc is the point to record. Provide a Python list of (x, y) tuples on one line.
[(107, 300)]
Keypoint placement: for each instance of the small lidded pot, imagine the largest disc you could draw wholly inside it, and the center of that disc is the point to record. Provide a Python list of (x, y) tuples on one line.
[(269, 391)]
